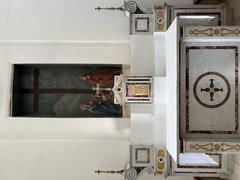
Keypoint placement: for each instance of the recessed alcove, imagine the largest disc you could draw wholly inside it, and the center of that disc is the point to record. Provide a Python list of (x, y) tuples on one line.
[(58, 90)]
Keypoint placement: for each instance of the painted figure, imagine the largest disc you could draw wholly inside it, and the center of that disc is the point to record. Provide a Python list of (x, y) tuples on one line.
[(101, 106), (103, 76), (58, 91)]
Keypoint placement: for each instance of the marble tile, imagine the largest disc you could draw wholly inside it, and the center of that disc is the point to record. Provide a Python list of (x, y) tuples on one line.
[(237, 159), (209, 89), (236, 173), (204, 106)]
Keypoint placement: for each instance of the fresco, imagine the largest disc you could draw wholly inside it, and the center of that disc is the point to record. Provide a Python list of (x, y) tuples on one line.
[(65, 91)]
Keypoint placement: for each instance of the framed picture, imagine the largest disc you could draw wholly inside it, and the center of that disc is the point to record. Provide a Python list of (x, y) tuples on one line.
[(64, 90)]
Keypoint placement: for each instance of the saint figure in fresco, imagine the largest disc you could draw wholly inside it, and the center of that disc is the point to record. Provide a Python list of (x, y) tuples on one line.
[(101, 106), (103, 76)]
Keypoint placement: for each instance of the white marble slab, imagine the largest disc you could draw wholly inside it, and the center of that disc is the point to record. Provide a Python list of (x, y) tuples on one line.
[(172, 89), (216, 113)]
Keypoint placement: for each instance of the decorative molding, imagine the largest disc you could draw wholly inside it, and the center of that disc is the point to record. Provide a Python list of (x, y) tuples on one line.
[(141, 156), (139, 151), (160, 19), (134, 8), (141, 24), (131, 174), (206, 147), (196, 32), (130, 6), (213, 147), (138, 89), (109, 172), (221, 31), (227, 147), (226, 31), (161, 158), (143, 19)]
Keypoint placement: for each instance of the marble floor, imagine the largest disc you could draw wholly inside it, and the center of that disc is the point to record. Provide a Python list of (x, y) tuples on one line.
[(235, 4)]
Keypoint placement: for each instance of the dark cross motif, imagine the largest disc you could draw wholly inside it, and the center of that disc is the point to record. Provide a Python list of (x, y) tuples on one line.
[(211, 89), (37, 91), (110, 172)]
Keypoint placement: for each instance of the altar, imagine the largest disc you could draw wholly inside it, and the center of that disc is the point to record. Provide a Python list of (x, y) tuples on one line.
[(191, 126)]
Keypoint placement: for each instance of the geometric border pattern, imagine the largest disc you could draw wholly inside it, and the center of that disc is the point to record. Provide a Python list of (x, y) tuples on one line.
[(212, 147), (235, 131), (228, 31)]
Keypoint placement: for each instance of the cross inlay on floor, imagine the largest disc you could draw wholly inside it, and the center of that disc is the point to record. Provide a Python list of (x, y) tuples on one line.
[(211, 89)]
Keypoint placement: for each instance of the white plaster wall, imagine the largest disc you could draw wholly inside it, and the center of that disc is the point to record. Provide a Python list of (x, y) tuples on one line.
[(60, 160), (66, 19), (61, 20), (142, 55), (160, 53)]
